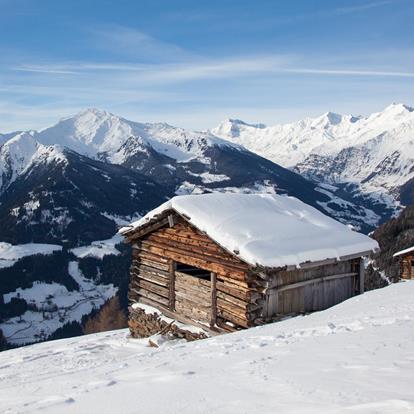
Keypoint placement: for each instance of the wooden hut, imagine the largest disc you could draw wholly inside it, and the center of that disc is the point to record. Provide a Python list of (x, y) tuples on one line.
[(231, 261), (406, 258)]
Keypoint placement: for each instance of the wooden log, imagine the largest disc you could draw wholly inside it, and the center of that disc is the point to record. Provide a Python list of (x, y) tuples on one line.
[(238, 312), (150, 269), (192, 280), (152, 287), (191, 304), (361, 276), (141, 252), (150, 295), (221, 323), (202, 293), (171, 271), (196, 259), (192, 312), (192, 239), (150, 278), (196, 290), (247, 295), (202, 300), (150, 264), (235, 283), (234, 319), (240, 303), (153, 225), (213, 319), (197, 247)]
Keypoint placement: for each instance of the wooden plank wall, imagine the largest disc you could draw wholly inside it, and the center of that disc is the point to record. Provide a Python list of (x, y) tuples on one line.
[(407, 271), (294, 291), (238, 297)]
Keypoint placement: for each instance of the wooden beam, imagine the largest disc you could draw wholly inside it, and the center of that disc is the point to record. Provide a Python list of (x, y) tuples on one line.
[(145, 229), (213, 299), (171, 220), (309, 265), (361, 276), (171, 270), (311, 281)]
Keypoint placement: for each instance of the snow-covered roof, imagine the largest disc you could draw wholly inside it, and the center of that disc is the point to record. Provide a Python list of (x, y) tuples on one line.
[(401, 252), (264, 229)]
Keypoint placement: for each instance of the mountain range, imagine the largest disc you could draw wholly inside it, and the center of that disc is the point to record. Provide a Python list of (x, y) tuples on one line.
[(367, 157), (72, 185)]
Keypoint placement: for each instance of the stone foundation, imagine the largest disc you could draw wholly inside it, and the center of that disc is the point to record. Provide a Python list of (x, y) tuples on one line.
[(145, 321)]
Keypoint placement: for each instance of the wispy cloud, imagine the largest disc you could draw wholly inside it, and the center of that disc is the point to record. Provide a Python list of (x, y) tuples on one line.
[(206, 69), (332, 12), (348, 72), (362, 7), (43, 69), (135, 43)]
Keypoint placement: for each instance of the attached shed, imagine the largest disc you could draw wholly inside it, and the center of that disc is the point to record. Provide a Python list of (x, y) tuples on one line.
[(231, 261), (406, 258)]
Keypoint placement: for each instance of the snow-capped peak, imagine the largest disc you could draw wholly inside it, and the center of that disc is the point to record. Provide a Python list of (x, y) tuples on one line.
[(289, 144), (89, 132), (22, 151), (398, 108), (93, 131)]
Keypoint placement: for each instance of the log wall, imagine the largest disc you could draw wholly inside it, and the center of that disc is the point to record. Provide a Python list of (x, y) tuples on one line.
[(406, 269), (237, 297)]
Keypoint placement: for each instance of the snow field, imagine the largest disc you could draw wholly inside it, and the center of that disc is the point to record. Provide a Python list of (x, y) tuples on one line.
[(357, 357)]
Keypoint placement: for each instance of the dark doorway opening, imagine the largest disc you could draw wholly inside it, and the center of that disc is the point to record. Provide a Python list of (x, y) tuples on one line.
[(193, 271)]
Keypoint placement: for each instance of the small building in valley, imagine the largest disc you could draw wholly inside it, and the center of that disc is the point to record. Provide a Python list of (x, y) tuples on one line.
[(230, 261), (406, 258)]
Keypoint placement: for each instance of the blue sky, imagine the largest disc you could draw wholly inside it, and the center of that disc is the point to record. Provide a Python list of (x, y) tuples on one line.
[(195, 63)]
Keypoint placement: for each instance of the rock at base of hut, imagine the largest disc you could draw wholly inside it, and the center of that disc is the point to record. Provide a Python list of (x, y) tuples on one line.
[(145, 321)]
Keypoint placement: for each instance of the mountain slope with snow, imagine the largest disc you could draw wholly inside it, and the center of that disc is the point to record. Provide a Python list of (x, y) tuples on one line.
[(94, 132), (376, 153), (73, 183), (356, 357), (185, 161)]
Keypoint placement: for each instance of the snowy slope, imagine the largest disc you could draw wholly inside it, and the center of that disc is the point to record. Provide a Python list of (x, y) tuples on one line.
[(357, 357), (10, 254), (376, 152)]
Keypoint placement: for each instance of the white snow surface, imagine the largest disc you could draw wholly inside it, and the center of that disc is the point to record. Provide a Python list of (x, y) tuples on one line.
[(10, 254), (408, 250), (356, 357), (265, 229), (99, 249)]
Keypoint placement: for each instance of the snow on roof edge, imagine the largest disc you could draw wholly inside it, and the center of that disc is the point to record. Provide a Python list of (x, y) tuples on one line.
[(401, 252)]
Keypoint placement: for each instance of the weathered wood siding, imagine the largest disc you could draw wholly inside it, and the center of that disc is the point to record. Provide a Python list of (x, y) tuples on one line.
[(237, 297), (311, 289), (407, 270)]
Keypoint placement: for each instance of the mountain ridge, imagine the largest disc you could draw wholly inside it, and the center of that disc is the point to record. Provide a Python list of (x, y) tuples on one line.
[(370, 155)]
